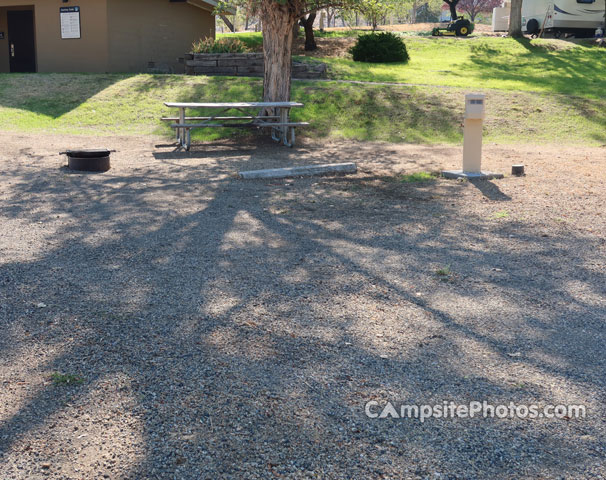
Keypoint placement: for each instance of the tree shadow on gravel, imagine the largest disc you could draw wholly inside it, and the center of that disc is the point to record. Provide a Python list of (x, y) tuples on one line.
[(236, 329)]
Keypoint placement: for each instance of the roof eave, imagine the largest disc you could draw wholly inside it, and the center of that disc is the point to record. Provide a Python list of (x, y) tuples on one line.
[(209, 6)]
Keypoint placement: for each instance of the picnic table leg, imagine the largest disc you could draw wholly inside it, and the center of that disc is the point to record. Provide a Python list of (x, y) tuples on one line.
[(284, 119), (274, 136), (182, 132), (287, 131), (292, 137), (289, 137)]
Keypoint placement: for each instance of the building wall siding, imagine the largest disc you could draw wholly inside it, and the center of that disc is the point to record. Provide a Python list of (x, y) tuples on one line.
[(154, 34), (117, 35), (54, 54)]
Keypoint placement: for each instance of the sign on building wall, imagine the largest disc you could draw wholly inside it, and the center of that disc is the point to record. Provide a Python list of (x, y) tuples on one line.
[(70, 22)]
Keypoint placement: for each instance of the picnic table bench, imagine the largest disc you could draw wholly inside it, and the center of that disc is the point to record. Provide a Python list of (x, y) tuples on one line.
[(251, 115)]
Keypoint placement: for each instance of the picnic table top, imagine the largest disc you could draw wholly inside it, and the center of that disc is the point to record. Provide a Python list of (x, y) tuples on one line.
[(233, 105)]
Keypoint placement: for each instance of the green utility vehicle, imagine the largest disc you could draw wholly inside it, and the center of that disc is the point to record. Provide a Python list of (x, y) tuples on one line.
[(461, 27)]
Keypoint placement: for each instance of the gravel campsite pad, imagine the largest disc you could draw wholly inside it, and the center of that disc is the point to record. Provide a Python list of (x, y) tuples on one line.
[(168, 320)]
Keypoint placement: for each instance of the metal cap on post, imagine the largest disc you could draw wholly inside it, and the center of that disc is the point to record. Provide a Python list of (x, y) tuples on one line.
[(475, 108), (475, 112)]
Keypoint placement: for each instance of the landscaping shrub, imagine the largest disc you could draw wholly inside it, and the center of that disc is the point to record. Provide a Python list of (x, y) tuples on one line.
[(221, 45), (381, 47)]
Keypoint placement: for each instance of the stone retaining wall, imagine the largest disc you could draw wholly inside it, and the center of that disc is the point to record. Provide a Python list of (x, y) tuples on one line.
[(243, 65)]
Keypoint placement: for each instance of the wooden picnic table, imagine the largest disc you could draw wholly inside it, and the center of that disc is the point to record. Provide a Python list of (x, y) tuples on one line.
[(251, 114)]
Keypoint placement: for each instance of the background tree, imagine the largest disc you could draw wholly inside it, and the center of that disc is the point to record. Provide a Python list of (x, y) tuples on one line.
[(308, 24), (416, 4), (332, 13), (228, 23), (239, 20), (473, 7), (424, 10), (515, 19), (374, 10), (452, 4), (403, 11)]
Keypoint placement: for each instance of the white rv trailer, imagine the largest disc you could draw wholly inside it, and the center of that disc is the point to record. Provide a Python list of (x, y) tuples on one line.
[(562, 16), (500, 17)]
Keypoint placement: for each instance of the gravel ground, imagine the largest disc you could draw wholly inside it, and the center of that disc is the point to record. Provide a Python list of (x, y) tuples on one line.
[(233, 329)]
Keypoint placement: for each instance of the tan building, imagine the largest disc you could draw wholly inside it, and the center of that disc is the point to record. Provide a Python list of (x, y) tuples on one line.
[(101, 35)]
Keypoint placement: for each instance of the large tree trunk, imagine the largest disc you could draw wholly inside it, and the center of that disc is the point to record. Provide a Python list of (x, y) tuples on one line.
[(278, 25), (452, 4), (308, 25), (515, 19)]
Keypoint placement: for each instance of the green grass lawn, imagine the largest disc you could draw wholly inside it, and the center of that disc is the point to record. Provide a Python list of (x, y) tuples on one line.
[(253, 40), (133, 104), (552, 66), (539, 92), (555, 66)]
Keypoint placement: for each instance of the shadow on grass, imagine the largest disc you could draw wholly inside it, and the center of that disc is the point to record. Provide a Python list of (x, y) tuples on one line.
[(571, 71), (361, 112), (52, 94), (122, 104), (254, 320)]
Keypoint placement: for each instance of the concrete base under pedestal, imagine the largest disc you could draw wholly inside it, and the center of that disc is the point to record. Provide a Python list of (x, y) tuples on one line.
[(471, 175)]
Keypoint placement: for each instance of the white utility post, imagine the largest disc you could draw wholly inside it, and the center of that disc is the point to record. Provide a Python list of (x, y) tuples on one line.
[(472, 132), (475, 111)]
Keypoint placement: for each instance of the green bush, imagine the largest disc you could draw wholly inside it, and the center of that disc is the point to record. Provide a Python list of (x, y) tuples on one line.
[(221, 45), (379, 48)]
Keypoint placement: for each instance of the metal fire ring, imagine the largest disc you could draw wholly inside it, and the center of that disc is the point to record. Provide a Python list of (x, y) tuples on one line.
[(93, 160)]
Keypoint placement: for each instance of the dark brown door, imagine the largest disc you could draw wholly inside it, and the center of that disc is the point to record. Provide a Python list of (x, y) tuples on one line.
[(21, 47)]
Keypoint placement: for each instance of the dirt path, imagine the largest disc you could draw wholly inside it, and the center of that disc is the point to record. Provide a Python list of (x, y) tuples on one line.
[(220, 328)]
